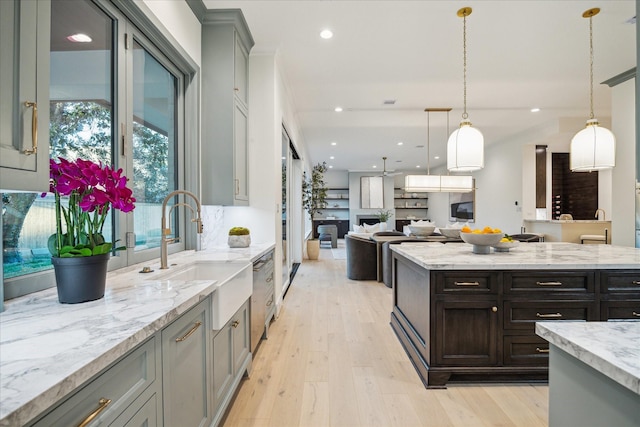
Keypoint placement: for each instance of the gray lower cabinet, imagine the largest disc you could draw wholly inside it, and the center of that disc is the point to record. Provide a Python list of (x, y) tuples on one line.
[(116, 396), (186, 368), (185, 375), (231, 359)]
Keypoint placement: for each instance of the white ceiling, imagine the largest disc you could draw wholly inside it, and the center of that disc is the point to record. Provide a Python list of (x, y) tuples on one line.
[(520, 54)]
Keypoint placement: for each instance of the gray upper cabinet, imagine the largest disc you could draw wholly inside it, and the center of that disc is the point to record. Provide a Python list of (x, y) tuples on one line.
[(24, 95), (226, 42)]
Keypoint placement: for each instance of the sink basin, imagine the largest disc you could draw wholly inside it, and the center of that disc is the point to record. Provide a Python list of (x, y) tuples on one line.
[(234, 285)]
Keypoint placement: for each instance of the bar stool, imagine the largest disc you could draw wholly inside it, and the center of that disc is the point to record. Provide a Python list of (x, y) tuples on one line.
[(332, 231), (595, 237)]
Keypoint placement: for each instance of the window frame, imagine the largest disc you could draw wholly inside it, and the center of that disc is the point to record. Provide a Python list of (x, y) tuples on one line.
[(135, 21)]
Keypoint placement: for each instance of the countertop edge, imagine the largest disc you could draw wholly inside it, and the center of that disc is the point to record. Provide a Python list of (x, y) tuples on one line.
[(597, 362)]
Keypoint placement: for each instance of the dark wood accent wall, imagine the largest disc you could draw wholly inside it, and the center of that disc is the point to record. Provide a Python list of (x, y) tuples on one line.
[(541, 176), (574, 193)]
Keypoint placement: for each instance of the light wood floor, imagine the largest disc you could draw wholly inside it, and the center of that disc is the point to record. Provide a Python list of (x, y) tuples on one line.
[(332, 359)]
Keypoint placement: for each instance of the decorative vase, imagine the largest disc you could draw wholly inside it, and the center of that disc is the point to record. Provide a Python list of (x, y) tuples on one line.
[(242, 241), (80, 279), (313, 248)]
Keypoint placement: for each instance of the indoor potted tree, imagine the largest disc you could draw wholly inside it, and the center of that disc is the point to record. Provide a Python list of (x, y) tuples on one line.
[(80, 253), (314, 193)]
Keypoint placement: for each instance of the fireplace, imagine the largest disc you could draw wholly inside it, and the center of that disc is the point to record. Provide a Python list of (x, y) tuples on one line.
[(367, 219)]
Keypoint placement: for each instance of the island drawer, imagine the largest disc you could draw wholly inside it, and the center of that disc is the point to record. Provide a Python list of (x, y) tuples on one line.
[(525, 350), (524, 314), (110, 393), (620, 281), (466, 282), (549, 281), (628, 309)]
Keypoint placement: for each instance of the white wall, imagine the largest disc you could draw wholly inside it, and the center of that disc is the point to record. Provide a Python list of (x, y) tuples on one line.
[(623, 175), (180, 22)]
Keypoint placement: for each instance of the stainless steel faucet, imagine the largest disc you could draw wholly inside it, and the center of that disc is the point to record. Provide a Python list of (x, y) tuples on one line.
[(166, 230), (603, 214)]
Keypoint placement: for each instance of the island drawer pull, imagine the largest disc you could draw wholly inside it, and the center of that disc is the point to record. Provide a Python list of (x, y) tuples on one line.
[(548, 316), (549, 283), (191, 331), (542, 350), (235, 323), (104, 402), (466, 283), (636, 282), (636, 314)]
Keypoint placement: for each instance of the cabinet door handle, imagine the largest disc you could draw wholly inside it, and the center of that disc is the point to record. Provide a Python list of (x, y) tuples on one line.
[(235, 323), (102, 404), (466, 283), (542, 350), (269, 279), (34, 128), (188, 334), (237, 186), (636, 282), (494, 309), (635, 314), (549, 316), (549, 283)]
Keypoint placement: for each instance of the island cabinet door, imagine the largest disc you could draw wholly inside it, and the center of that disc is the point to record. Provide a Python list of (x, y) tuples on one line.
[(466, 333)]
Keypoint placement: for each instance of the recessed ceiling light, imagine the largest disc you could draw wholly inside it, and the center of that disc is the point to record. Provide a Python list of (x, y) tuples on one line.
[(535, 110), (418, 166), (389, 102), (400, 143), (79, 38), (436, 157), (419, 146), (398, 161), (283, 157), (334, 143), (330, 166), (326, 34), (338, 109), (331, 157)]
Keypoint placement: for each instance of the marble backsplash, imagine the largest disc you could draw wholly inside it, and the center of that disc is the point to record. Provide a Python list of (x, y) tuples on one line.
[(214, 233)]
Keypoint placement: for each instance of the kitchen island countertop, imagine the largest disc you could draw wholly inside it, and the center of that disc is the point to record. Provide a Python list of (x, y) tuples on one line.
[(549, 255)]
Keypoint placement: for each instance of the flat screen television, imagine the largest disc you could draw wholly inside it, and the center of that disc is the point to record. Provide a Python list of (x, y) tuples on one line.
[(462, 211)]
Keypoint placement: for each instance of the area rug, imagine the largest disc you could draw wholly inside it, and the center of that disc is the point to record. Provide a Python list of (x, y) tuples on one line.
[(339, 253)]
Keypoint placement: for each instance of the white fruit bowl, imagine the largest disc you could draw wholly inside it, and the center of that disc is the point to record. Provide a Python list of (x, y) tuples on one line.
[(481, 242), (452, 233), (505, 246), (422, 230)]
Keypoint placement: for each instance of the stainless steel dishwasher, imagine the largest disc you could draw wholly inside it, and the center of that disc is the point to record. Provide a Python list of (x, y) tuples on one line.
[(262, 282)]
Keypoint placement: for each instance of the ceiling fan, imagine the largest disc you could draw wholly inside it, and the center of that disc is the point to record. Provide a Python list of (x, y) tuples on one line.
[(384, 169)]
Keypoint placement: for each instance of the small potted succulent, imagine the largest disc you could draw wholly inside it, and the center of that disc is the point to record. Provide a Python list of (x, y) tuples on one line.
[(239, 237)]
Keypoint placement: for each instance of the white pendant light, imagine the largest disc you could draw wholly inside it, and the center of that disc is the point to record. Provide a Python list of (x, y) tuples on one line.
[(594, 147), (437, 183), (465, 148)]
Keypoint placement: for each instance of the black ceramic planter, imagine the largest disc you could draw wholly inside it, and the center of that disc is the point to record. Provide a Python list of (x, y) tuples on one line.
[(80, 279)]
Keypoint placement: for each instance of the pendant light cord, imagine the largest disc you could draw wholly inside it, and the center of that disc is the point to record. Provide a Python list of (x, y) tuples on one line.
[(464, 60), (428, 144), (591, 65)]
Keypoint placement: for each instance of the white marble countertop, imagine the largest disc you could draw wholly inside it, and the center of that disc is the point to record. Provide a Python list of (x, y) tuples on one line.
[(48, 349), (569, 221), (540, 256), (612, 348)]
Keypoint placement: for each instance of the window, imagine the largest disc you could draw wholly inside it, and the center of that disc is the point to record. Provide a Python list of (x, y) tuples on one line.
[(117, 99)]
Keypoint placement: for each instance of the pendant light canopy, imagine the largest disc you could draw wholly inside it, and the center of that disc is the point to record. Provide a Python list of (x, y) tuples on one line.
[(594, 147), (465, 149), (437, 183)]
